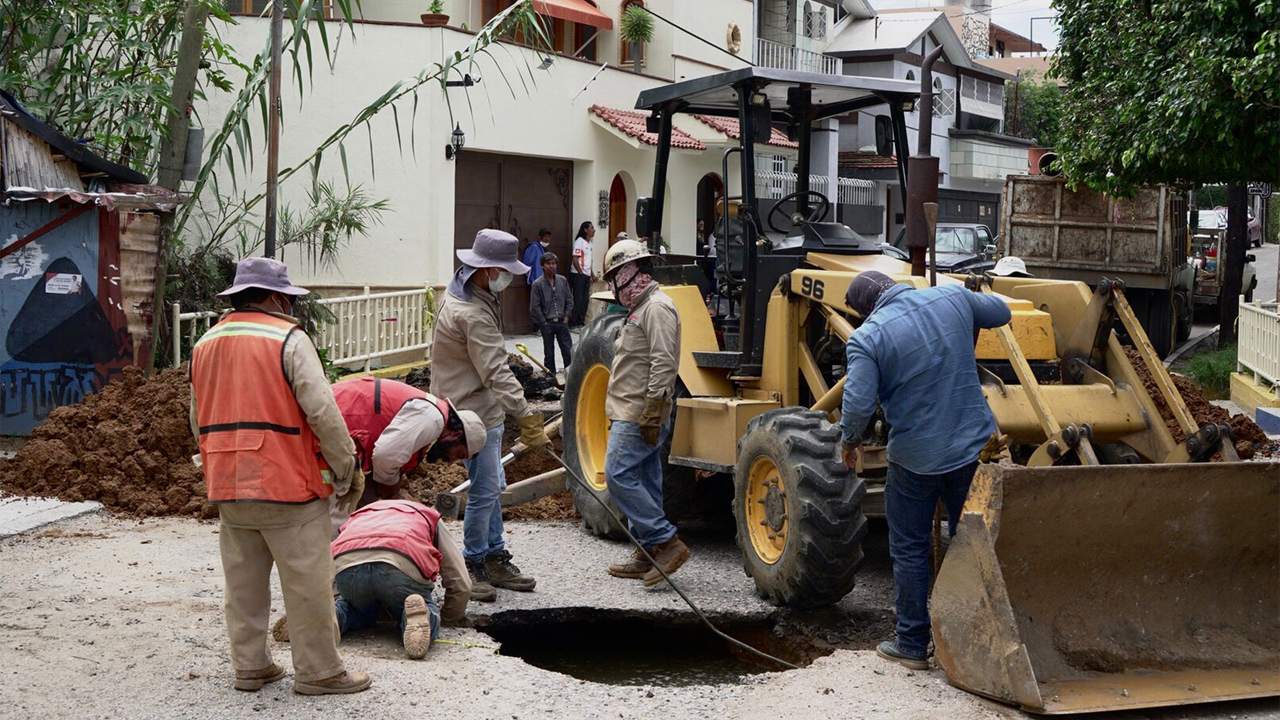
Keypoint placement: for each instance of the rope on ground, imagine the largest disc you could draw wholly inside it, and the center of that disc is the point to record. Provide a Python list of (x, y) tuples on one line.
[(696, 610)]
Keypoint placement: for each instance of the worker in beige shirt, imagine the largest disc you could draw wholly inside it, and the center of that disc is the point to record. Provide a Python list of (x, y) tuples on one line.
[(388, 556), (261, 406), (469, 366), (646, 365)]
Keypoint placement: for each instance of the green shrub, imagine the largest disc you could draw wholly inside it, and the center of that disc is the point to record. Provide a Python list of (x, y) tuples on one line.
[(1212, 370)]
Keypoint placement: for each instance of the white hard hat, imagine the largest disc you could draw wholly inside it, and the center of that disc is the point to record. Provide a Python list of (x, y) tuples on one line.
[(623, 236), (623, 252), (1010, 267)]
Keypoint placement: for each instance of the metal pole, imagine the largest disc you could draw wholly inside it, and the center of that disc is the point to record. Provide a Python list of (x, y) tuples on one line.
[(176, 350), (273, 130)]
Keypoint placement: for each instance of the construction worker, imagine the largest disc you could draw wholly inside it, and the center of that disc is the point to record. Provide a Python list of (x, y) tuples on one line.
[(639, 404), (388, 556), (469, 366), (395, 426), (274, 448), (914, 354)]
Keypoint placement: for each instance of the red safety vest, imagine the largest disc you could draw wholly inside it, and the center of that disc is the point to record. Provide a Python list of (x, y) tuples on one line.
[(255, 443), (401, 526), (369, 405)]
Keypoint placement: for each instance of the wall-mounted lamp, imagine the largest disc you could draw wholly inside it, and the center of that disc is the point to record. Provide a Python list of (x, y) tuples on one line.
[(457, 139), (909, 105)]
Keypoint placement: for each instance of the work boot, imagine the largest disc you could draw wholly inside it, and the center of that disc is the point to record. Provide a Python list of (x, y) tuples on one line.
[(417, 627), (504, 574), (634, 568), (344, 684), (481, 590), (253, 680), (889, 650), (280, 631), (668, 556)]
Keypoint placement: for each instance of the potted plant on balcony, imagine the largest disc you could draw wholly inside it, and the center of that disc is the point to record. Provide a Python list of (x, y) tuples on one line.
[(434, 16), (637, 29)]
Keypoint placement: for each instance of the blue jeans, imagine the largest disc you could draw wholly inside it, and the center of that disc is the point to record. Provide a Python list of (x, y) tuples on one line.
[(633, 472), (909, 501), (553, 333), (367, 590), (482, 523)]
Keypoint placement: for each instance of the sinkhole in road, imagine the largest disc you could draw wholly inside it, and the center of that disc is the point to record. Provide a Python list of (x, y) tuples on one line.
[(619, 649)]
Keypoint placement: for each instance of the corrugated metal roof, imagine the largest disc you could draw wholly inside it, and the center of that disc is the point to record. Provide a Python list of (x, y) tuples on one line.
[(88, 162)]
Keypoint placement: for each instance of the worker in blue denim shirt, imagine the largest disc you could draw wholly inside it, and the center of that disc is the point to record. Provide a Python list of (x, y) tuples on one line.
[(914, 354)]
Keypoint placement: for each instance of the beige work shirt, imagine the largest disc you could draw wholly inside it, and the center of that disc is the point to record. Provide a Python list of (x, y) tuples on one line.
[(469, 359), (305, 373), (453, 572), (646, 360)]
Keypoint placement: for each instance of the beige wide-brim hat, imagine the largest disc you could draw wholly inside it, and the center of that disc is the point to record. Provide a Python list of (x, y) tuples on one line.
[(494, 248), (474, 430)]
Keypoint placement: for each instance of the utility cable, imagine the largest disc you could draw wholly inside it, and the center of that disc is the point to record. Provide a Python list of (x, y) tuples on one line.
[(697, 611), (699, 38)]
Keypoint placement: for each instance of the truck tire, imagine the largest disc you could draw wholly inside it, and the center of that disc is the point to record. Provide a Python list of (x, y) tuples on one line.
[(586, 428), (1182, 315), (797, 509), (1154, 311)]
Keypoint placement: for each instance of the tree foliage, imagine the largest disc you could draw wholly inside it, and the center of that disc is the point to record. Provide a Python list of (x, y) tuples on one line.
[(1033, 110), (1179, 91)]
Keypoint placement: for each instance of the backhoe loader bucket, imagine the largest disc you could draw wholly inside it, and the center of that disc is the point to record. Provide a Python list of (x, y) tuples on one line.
[(1074, 589)]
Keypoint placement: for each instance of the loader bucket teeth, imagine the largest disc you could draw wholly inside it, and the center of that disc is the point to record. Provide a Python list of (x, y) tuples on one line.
[(1082, 589)]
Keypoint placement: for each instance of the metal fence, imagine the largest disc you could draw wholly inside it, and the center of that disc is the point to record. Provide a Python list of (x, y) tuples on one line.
[(850, 191), (1258, 351), (786, 57), (366, 327)]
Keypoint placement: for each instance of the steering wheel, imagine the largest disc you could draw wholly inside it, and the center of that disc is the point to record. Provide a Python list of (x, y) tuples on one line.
[(817, 214)]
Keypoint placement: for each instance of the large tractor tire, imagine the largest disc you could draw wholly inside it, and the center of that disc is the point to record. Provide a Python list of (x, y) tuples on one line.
[(586, 433), (798, 509)]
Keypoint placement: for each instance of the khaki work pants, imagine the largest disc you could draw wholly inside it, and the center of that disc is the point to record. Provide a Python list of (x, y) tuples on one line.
[(295, 538)]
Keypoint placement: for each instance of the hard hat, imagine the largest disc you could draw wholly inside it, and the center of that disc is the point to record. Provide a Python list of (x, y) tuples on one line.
[(1010, 267), (623, 252)]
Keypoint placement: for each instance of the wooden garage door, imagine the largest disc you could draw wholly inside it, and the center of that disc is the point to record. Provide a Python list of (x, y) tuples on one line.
[(519, 195)]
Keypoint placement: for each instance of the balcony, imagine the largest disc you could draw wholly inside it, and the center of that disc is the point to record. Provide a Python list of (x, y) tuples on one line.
[(786, 57)]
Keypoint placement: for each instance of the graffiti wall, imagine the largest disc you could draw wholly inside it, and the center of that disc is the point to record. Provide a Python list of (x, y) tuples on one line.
[(63, 330)]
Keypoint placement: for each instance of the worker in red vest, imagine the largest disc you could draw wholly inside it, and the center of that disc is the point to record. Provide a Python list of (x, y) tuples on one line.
[(274, 447), (395, 426), (388, 557)]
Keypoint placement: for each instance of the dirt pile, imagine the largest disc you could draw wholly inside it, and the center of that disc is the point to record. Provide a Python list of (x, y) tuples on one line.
[(128, 447), (537, 384), (1250, 440)]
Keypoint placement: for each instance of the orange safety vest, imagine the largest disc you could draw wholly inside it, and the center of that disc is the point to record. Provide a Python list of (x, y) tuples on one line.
[(401, 526), (255, 442), (368, 406)]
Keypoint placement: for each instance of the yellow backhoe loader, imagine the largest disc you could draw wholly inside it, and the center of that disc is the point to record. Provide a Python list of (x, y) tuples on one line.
[(1102, 566)]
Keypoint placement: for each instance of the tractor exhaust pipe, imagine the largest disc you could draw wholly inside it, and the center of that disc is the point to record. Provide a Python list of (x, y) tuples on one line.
[(922, 172)]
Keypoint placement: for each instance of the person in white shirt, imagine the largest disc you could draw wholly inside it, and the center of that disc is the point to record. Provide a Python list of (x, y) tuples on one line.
[(581, 272)]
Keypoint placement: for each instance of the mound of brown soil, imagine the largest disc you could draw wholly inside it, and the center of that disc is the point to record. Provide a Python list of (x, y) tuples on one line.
[(537, 384), (128, 447)]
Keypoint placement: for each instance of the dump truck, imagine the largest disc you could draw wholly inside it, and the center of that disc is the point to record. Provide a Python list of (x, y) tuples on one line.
[(1104, 565), (1066, 233)]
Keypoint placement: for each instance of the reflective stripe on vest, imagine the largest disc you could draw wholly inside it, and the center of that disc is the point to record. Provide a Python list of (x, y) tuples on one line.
[(368, 406), (401, 526), (255, 442)]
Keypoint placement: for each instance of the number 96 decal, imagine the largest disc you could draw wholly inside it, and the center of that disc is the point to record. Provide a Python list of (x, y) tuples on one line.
[(812, 287)]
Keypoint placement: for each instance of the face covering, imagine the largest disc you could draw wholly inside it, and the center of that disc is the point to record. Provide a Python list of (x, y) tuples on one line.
[(545, 243), (628, 283), (500, 283)]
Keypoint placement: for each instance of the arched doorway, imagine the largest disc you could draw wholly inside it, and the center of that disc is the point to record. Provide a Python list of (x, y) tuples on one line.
[(617, 208), (710, 190)]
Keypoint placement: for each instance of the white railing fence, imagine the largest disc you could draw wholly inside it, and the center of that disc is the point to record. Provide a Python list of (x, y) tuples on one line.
[(367, 326), (771, 54), (850, 191), (1258, 349)]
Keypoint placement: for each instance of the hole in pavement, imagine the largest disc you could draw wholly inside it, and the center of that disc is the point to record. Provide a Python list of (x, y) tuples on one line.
[(614, 649)]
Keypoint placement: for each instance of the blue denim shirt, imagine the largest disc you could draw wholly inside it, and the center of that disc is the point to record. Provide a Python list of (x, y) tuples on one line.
[(915, 353)]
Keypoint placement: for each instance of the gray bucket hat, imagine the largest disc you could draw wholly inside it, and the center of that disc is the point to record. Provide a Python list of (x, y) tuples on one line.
[(265, 273), (494, 248)]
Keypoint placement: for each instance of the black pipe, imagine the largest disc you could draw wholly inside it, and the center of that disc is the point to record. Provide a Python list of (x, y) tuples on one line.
[(800, 111), (750, 357), (923, 185), (660, 181)]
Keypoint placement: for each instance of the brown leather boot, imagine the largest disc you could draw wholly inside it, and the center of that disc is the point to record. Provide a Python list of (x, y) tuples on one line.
[(634, 568), (253, 680), (504, 574), (669, 556), (417, 627), (344, 684), (280, 631), (481, 590)]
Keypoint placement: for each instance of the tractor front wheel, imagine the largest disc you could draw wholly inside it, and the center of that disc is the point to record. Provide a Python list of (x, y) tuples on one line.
[(798, 509)]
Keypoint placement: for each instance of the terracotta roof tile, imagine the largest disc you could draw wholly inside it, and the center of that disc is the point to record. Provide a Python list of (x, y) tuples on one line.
[(730, 127), (632, 123), (868, 160)]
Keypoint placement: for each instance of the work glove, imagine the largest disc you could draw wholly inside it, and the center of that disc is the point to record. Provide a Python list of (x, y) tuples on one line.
[(651, 419), (995, 447), (347, 501), (532, 433), (849, 454)]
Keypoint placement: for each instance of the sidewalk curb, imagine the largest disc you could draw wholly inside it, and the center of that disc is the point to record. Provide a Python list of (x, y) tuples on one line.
[(1190, 345)]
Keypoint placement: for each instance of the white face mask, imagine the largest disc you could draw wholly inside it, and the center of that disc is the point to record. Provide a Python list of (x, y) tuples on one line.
[(500, 283), (546, 244)]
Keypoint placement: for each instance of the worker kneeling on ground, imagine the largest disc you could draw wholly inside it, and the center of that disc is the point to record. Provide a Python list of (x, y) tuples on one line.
[(274, 448), (469, 366), (639, 403), (914, 352), (388, 556)]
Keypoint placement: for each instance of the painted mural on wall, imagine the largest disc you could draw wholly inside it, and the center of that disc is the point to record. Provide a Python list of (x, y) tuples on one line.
[(64, 333)]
